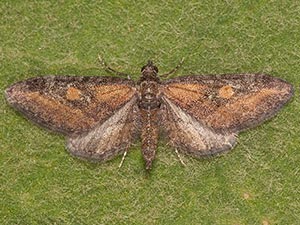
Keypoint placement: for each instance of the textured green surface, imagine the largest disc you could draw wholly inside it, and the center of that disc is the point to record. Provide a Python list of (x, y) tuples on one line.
[(256, 183)]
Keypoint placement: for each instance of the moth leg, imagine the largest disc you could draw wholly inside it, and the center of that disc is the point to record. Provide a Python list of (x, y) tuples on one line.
[(123, 158), (179, 157), (108, 69), (166, 75)]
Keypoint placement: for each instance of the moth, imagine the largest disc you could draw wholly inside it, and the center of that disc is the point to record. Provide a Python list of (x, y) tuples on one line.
[(101, 117)]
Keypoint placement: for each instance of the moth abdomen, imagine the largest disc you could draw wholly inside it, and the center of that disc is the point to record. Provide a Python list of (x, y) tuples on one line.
[(149, 135)]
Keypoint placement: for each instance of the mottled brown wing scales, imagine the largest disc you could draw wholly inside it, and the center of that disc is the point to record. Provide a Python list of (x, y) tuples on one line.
[(191, 136), (70, 104), (228, 103), (110, 138)]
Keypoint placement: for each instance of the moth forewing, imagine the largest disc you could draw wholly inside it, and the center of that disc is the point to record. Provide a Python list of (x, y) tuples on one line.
[(70, 104), (229, 102)]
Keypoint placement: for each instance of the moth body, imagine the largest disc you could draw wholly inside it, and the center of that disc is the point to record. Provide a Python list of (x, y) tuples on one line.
[(149, 103)]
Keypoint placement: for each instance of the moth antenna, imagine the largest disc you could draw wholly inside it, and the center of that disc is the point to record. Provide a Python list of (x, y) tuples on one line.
[(102, 61), (166, 75), (108, 69)]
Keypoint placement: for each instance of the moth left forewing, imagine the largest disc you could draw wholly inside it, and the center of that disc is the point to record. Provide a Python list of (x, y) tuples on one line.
[(70, 104), (111, 138), (228, 103), (191, 136)]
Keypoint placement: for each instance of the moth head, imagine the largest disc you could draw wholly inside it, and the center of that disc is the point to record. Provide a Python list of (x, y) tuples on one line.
[(149, 68)]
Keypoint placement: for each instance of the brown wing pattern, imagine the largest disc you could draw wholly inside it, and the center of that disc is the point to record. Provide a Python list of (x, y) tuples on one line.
[(70, 104), (228, 103)]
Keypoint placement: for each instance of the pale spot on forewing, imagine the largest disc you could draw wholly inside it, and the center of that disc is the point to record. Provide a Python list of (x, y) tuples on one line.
[(226, 92), (73, 94), (194, 135), (185, 93)]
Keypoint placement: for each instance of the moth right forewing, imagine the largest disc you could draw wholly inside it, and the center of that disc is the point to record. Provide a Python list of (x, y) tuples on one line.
[(111, 138), (189, 135), (228, 102)]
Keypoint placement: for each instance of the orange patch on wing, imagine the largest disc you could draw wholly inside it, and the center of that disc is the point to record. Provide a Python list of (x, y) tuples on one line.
[(252, 100), (114, 95), (226, 92), (73, 94), (62, 114), (185, 92)]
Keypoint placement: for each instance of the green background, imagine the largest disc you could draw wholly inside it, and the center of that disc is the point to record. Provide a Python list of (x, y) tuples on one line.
[(256, 183)]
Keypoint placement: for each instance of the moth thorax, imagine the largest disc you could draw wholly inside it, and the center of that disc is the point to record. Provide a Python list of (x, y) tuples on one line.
[(149, 95)]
